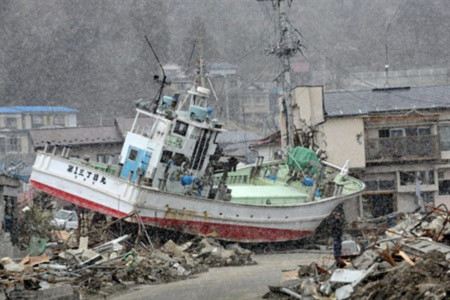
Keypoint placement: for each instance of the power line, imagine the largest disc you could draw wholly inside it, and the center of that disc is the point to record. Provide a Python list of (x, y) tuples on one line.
[(344, 89), (337, 66)]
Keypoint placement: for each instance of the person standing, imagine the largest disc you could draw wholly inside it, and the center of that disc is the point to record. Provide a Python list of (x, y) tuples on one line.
[(337, 224)]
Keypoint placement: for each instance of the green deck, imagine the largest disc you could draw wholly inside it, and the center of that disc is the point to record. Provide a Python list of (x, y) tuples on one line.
[(261, 190)]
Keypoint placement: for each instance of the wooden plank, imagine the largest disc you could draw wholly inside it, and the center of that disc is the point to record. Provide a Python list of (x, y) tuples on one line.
[(406, 257)]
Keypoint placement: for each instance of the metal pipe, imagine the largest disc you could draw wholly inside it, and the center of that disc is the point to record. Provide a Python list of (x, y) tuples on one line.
[(331, 165)]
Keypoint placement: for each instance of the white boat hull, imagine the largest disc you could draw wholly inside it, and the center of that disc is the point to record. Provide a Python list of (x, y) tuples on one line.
[(114, 196)]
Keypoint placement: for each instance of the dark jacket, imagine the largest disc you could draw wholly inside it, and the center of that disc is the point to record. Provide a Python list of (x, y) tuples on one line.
[(336, 226)]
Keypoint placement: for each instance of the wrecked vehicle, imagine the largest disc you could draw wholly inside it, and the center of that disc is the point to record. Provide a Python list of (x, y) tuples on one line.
[(65, 219)]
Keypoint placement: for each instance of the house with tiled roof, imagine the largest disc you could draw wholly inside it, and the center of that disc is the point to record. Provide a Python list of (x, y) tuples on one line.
[(16, 121), (98, 143)]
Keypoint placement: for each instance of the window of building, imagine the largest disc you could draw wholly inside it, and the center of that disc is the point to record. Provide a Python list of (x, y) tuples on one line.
[(409, 178), (394, 132), (415, 131), (371, 185), (2, 145), (13, 144), (386, 185), (407, 131), (383, 133), (11, 123), (37, 121), (444, 187), (380, 185), (59, 120), (424, 131), (444, 133), (427, 177), (181, 128)]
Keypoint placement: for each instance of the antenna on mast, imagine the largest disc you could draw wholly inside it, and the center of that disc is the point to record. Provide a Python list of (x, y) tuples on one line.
[(162, 82), (388, 27)]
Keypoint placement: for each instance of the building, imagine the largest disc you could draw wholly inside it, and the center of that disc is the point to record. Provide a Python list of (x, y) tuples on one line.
[(100, 143), (16, 121), (236, 143), (268, 147), (8, 215), (258, 105), (397, 141)]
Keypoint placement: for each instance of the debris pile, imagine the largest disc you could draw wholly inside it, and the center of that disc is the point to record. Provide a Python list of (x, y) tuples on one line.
[(107, 267), (410, 260), (33, 221)]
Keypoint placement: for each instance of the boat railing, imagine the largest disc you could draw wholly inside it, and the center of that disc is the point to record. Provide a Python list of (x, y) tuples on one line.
[(344, 169)]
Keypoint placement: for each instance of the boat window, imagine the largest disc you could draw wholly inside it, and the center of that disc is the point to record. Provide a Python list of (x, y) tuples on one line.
[(178, 159), (181, 128), (133, 154), (166, 155)]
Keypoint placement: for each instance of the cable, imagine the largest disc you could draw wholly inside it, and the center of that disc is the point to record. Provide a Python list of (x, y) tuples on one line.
[(345, 70), (393, 16), (190, 57), (343, 89)]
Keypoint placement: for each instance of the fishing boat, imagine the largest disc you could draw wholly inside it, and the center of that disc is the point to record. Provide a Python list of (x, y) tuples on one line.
[(169, 175)]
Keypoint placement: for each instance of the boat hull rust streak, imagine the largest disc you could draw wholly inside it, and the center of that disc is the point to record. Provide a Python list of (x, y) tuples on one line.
[(225, 220), (179, 222)]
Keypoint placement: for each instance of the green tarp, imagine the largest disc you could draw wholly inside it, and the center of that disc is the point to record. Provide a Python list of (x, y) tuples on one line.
[(300, 157)]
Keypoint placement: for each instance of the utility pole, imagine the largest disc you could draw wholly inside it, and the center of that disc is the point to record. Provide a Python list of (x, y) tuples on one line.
[(284, 50), (226, 98)]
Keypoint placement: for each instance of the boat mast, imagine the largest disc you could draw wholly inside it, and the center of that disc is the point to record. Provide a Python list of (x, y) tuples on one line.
[(285, 49)]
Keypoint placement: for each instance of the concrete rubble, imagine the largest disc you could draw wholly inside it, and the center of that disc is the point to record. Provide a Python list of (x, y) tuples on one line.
[(409, 258), (86, 269)]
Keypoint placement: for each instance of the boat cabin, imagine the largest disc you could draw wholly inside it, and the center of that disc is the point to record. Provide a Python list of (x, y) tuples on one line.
[(174, 153)]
